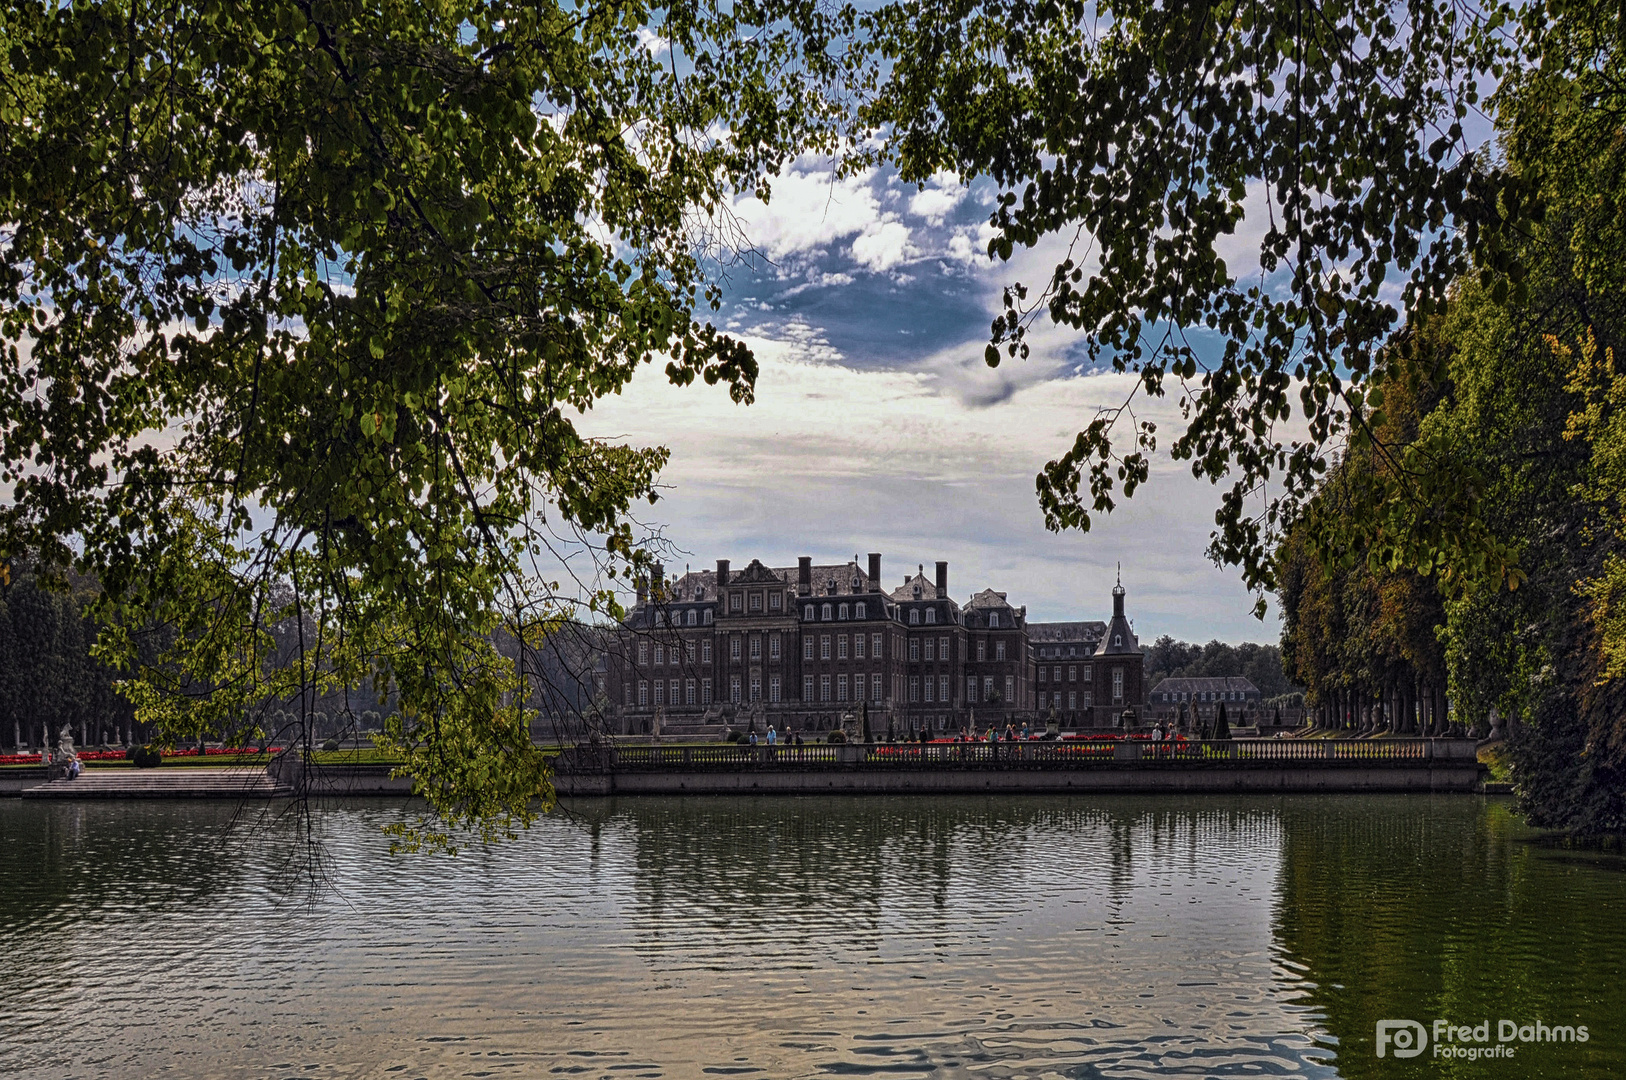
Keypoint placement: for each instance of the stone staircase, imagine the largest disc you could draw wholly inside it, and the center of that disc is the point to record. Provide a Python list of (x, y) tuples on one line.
[(177, 783)]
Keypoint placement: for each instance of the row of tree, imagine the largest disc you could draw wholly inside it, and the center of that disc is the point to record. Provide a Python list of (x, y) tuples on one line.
[(1462, 563)]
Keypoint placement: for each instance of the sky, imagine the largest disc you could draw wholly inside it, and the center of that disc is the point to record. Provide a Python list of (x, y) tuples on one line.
[(878, 427)]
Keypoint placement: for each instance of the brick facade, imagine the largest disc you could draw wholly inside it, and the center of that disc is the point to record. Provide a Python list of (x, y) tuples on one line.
[(800, 647)]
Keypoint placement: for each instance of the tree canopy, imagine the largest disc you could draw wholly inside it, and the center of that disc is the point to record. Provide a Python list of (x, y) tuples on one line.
[(305, 294)]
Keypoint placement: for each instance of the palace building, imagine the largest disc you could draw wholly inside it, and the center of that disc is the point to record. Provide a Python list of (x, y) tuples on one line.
[(802, 646)]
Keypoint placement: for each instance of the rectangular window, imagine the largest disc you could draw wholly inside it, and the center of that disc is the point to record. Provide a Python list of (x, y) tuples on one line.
[(705, 691), (939, 723), (629, 695), (1010, 689), (1117, 685), (824, 647), (1072, 700), (643, 692), (943, 649), (756, 601), (756, 688), (734, 646), (688, 692), (660, 655), (987, 688), (942, 689), (643, 653), (1089, 698), (971, 688), (875, 687), (824, 688), (858, 645), (688, 650), (841, 688), (773, 685), (773, 646), (982, 649), (734, 689), (1088, 668), (1072, 672), (999, 650), (1041, 701), (914, 688), (756, 646), (914, 648), (807, 647), (928, 688), (875, 646), (775, 601), (1043, 671), (807, 688), (841, 647), (734, 602), (931, 651)]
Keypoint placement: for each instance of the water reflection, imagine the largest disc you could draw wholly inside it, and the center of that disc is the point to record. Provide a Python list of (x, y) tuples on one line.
[(1448, 908), (1003, 937)]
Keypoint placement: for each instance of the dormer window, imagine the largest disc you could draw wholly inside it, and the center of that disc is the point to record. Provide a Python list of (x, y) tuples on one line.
[(830, 587), (993, 620), (859, 612), (844, 612), (826, 612), (855, 585), (700, 594), (1117, 639), (914, 616), (807, 613), (931, 615), (917, 592), (690, 617)]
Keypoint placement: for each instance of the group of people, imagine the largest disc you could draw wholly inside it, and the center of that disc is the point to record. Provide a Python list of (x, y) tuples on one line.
[(773, 737)]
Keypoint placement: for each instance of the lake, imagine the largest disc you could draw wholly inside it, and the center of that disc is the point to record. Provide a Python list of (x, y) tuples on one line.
[(1042, 936)]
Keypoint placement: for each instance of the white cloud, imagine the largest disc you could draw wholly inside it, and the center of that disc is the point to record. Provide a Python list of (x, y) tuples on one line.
[(883, 246), (833, 460), (938, 198), (808, 208)]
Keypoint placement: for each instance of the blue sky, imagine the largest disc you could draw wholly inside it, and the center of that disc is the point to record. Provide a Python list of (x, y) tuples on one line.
[(877, 426)]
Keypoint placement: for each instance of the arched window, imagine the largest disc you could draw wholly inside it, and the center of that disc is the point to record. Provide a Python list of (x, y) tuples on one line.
[(826, 613), (1117, 639), (807, 613), (690, 619), (914, 616), (859, 611), (931, 615), (993, 620), (844, 611)]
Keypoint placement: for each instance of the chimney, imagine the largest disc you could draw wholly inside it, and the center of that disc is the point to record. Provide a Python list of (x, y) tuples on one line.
[(804, 576), (722, 572), (658, 578), (875, 571), (643, 591), (942, 578)]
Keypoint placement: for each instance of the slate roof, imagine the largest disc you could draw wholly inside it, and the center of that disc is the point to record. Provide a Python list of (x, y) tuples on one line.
[(906, 591), (1066, 633)]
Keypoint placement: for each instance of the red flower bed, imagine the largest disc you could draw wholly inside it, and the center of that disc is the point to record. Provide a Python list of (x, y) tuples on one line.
[(118, 755)]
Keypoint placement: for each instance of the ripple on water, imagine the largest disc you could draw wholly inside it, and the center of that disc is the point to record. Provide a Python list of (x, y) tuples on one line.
[(809, 937)]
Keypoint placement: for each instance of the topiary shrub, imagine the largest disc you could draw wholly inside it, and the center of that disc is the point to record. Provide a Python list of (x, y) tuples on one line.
[(836, 736), (130, 754), (331, 744), (147, 757), (732, 736)]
